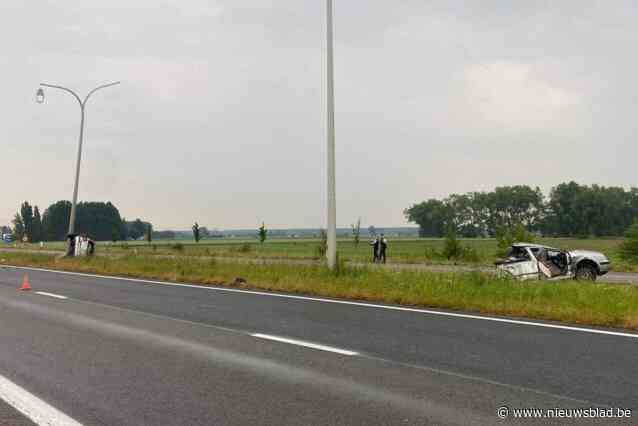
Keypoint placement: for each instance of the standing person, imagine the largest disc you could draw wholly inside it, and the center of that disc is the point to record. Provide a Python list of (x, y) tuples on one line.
[(383, 245), (375, 249)]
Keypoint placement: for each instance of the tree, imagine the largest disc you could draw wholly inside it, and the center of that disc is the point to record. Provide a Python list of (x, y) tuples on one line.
[(37, 226), (262, 233), (164, 235), (115, 233), (564, 217), (55, 221), (432, 217), (26, 213), (356, 232), (196, 232), (580, 210), (101, 221), (204, 232), (506, 236), (513, 205), (452, 248), (460, 211), (629, 247), (322, 248), (572, 210), (18, 227), (136, 229)]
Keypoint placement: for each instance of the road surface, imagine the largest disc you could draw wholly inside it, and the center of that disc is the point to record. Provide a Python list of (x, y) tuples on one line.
[(106, 351)]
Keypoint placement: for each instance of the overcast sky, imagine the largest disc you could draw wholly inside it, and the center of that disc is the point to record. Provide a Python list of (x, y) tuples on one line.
[(220, 117)]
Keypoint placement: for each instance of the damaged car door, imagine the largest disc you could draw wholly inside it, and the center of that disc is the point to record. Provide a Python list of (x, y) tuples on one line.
[(553, 264), (521, 263)]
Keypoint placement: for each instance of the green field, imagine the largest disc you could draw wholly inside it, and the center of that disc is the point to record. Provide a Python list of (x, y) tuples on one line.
[(426, 250), (570, 301)]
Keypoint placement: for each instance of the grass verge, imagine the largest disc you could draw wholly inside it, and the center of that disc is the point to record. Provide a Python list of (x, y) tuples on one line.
[(568, 301), (427, 250)]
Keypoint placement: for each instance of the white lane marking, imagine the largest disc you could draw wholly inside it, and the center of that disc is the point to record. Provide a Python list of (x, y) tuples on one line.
[(346, 302), (305, 344), (44, 293), (38, 411)]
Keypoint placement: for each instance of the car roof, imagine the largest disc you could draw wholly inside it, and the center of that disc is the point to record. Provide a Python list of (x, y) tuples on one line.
[(532, 245)]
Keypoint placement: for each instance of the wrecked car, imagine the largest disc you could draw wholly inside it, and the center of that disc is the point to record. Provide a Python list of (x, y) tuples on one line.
[(526, 261)]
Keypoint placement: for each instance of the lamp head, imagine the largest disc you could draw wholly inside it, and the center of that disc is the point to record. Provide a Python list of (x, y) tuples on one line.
[(39, 96)]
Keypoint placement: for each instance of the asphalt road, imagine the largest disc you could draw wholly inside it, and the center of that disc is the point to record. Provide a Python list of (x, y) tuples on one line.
[(121, 352), (11, 416)]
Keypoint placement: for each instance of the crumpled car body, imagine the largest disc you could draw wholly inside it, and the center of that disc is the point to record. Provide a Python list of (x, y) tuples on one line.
[(527, 261)]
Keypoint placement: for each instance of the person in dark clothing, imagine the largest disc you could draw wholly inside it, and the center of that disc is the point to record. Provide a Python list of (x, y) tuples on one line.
[(383, 245), (375, 249), (91, 248)]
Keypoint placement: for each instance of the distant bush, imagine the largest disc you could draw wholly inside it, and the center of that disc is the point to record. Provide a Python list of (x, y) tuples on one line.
[(244, 248), (505, 237), (504, 240), (629, 247), (124, 246), (178, 247), (322, 248), (262, 233), (470, 255), (431, 253), (452, 248)]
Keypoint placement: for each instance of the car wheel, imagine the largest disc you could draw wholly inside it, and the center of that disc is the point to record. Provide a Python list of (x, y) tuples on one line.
[(586, 273)]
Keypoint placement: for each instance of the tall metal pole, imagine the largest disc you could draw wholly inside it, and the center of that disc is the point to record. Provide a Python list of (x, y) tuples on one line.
[(332, 202), (79, 156), (77, 175)]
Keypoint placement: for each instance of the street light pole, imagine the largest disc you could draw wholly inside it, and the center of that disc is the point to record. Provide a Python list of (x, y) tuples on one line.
[(332, 202), (40, 99)]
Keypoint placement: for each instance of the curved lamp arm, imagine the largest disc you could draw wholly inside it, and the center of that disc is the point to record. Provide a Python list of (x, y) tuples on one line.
[(104, 86), (65, 89)]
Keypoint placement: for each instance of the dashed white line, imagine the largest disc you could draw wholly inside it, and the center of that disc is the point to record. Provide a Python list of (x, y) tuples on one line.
[(44, 293), (305, 344), (347, 302), (38, 411)]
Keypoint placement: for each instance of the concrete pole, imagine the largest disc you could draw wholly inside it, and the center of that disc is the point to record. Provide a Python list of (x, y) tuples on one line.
[(77, 175), (332, 202)]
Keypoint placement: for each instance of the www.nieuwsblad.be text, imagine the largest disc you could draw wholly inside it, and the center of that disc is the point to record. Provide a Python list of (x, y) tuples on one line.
[(564, 413)]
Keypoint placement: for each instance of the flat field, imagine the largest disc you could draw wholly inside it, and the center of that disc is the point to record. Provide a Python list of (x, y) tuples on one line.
[(423, 250)]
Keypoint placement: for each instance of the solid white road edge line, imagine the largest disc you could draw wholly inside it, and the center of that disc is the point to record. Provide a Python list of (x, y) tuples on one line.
[(346, 302), (38, 411), (44, 293), (305, 344)]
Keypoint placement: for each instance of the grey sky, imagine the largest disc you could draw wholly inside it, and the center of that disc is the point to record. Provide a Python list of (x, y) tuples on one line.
[(220, 117)]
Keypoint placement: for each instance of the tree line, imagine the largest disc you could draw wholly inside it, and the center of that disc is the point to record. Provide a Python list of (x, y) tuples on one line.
[(570, 210), (101, 221)]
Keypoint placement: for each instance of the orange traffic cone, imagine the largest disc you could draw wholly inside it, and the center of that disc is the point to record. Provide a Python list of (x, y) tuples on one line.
[(25, 283)]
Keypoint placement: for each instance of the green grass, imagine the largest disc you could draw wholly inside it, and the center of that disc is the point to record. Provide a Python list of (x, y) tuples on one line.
[(400, 251), (569, 301)]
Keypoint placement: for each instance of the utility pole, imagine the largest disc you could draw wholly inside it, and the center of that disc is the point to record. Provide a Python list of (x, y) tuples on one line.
[(332, 201)]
